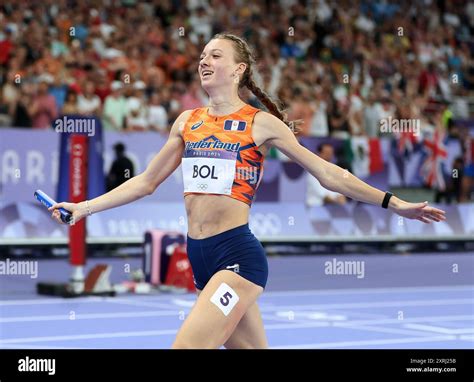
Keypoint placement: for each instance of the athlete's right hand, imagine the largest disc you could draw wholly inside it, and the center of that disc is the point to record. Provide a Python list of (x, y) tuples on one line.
[(78, 211)]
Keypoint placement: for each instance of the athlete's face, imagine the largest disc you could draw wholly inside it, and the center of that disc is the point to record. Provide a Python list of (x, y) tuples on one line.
[(217, 65)]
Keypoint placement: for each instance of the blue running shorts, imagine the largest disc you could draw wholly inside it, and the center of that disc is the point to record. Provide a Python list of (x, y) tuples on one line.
[(236, 250)]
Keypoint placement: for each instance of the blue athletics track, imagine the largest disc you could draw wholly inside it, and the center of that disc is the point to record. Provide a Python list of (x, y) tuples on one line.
[(423, 301)]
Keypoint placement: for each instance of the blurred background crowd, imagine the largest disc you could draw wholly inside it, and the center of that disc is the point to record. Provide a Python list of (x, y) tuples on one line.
[(340, 67)]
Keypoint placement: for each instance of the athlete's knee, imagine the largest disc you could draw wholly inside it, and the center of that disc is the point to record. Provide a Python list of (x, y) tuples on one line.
[(179, 344), (186, 343), (190, 341), (246, 341), (239, 344)]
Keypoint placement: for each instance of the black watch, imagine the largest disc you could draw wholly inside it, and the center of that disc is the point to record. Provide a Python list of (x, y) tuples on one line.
[(386, 199)]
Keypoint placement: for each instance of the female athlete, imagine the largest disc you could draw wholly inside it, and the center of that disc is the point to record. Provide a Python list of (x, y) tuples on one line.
[(221, 149)]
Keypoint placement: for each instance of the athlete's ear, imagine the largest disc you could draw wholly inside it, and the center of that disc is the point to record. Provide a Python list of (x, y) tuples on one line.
[(240, 69)]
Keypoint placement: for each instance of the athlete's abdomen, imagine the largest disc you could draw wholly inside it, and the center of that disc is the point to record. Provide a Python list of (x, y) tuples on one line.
[(210, 214)]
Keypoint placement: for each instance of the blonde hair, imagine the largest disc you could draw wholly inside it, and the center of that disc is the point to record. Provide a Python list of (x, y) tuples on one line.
[(244, 54)]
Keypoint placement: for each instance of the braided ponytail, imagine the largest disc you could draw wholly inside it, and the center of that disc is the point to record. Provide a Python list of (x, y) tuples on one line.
[(244, 54)]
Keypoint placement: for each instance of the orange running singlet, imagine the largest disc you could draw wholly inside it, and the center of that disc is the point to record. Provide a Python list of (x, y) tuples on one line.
[(220, 156)]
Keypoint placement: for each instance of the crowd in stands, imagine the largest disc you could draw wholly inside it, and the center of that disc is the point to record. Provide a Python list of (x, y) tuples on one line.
[(341, 66)]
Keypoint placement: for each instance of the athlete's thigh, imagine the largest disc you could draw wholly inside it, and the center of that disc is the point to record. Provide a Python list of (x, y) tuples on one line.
[(249, 332), (217, 311)]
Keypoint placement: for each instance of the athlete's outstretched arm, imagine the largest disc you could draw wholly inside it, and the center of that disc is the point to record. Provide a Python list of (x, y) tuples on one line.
[(273, 131), (162, 166)]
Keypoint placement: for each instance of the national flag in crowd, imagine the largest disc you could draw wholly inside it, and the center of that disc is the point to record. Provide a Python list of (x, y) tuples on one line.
[(365, 155), (406, 141), (432, 168)]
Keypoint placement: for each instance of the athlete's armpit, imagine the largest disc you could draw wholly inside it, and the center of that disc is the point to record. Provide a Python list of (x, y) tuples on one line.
[(169, 157)]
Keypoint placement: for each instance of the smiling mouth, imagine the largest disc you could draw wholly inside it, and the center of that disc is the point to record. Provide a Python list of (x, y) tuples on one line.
[(206, 73)]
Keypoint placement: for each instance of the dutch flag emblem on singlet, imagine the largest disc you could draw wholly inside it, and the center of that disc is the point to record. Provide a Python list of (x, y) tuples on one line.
[(234, 125)]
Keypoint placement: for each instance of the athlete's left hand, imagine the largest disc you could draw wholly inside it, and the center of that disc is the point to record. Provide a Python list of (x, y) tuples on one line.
[(419, 211)]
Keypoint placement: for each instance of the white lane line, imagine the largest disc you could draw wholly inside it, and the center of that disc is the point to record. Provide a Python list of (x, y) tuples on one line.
[(183, 303), (300, 324), (345, 344), (26, 346), (411, 319), (379, 304), (88, 316), (438, 329), (429, 289), (385, 330), (263, 306), (148, 333), (297, 325), (91, 299), (143, 333), (145, 304), (84, 300), (357, 315), (282, 326), (283, 319), (46, 301)]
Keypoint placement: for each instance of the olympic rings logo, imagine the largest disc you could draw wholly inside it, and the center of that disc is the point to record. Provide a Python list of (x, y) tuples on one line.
[(202, 187), (265, 224)]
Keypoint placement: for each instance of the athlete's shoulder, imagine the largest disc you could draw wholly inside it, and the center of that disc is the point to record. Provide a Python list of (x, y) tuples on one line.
[(186, 114), (266, 121), (247, 111), (266, 126), (180, 122), (251, 108)]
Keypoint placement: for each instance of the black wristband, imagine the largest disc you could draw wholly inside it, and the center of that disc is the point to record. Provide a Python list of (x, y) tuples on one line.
[(386, 199)]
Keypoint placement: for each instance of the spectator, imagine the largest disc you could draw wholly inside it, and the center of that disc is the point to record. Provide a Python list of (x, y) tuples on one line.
[(137, 110), (372, 116), (121, 170), (19, 108), (88, 103), (70, 105), (317, 195), (6, 46), (11, 90), (301, 109), (115, 108), (194, 96), (385, 109), (157, 117), (59, 90), (339, 122), (43, 109), (5, 118), (428, 80), (319, 122)]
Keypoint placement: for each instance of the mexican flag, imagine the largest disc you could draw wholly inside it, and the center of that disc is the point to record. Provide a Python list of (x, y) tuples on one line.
[(364, 154)]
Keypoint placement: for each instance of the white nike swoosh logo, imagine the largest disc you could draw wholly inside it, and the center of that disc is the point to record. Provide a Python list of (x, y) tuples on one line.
[(234, 267)]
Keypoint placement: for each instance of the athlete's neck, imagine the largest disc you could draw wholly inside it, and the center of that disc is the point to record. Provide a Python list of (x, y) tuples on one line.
[(222, 104)]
